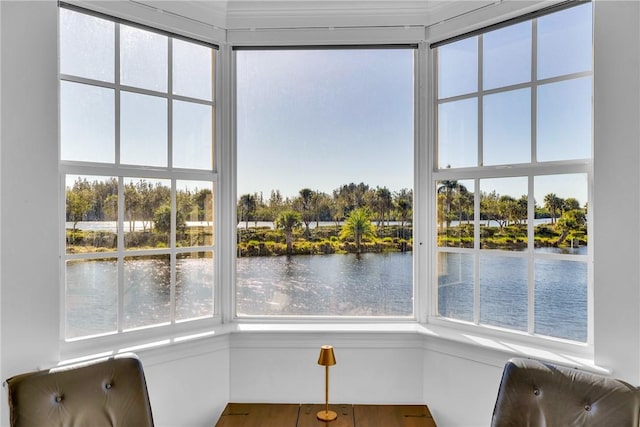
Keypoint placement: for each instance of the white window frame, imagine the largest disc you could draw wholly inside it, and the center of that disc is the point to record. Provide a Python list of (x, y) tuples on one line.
[(528, 170), (174, 329), (326, 38)]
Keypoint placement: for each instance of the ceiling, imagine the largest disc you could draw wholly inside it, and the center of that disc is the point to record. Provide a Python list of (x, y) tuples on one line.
[(253, 14)]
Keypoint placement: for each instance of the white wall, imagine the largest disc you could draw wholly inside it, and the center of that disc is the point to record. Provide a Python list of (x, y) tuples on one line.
[(616, 163), (30, 290), (190, 383)]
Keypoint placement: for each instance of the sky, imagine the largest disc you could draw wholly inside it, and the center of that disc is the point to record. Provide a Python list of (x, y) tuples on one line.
[(320, 119)]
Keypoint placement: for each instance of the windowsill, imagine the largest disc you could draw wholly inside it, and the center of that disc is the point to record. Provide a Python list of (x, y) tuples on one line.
[(480, 345)]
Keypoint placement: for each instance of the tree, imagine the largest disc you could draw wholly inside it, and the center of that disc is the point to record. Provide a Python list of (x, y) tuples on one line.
[(162, 220), (383, 203), (450, 190), (131, 204), (553, 204), (569, 221), (404, 202), (275, 205), (358, 227), (570, 204), (79, 202), (304, 203), (246, 207), (204, 202), (287, 221)]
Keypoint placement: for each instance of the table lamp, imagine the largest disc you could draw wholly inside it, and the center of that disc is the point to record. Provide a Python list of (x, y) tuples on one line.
[(326, 359)]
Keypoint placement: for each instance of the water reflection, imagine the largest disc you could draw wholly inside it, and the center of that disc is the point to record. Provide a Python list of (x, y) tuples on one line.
[(327, 285)]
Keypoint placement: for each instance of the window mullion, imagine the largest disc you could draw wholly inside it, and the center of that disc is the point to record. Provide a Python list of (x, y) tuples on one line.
[(476, 255), (534, 92), (530, 258), (476, 201), (531, 312), (120, 252), (121, 201), (480, 104)]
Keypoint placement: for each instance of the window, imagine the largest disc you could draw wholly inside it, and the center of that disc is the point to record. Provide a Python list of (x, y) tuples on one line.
[(324, 181), (138, 167), (511, 176)]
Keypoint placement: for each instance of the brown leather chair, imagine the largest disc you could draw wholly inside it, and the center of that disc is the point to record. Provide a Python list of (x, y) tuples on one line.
[(534, 393), (111, 392)]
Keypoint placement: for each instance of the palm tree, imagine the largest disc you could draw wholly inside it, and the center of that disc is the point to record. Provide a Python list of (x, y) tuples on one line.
[(404, 200), (246, 206), (287, 221), (358, 226), (553, 203), (383, 203), (449, 189), (305, 205)]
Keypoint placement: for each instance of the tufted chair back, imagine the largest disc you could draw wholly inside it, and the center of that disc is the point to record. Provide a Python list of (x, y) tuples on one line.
[(110, 392), (537, 394)]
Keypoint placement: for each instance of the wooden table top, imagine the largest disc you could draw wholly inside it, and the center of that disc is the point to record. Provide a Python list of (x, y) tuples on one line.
[(304, 415)]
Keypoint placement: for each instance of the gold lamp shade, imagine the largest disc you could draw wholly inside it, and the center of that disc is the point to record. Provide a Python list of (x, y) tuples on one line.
[(327, 358)]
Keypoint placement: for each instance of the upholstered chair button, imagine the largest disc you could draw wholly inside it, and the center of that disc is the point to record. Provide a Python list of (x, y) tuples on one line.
[(587, 407), (58, 398), (107, 386), (536, 391)]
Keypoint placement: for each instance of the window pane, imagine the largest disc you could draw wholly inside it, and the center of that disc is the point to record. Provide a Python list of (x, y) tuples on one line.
[(192, 135), (91, 214), (458, 68), (86, 46), (458, 134), (561, 213), (147, 289), (143, 59), (87, 125), (91, 297), (503, 213), (194, 285), (455, 285), (507, 128), (507, 56), (564, 120), (565, 42), (194, 218), (193, 70), (324, 175), (143, 130), (455, 213), (147, 205), (503, 291), (561, 299)]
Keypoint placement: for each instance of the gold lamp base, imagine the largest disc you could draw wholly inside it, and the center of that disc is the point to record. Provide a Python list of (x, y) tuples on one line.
[(326, 415)]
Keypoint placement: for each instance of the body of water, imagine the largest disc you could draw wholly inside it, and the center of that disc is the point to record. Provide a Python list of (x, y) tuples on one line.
[(333, 285), (560, 292), (326, 285), (92, 293)]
